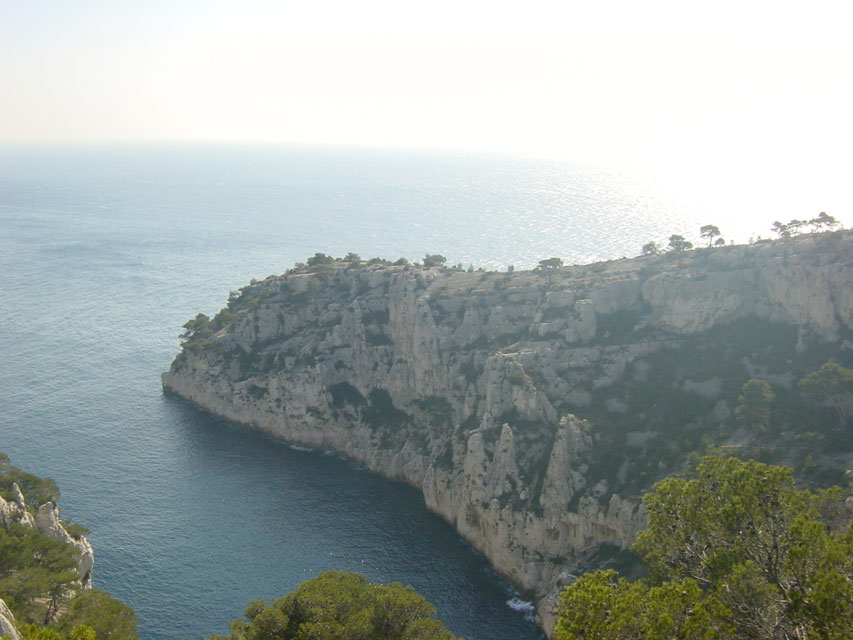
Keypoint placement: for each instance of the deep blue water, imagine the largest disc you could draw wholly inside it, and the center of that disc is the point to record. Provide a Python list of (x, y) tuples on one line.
[(106, 252)]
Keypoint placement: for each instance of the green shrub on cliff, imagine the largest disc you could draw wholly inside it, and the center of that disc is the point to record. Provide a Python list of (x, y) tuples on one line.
[(754, 402), (36, 490), (434, 260), (109, 618), (832, 384), (39, 581), (37, 573), (735, 552), (197, 334), (337, 605)]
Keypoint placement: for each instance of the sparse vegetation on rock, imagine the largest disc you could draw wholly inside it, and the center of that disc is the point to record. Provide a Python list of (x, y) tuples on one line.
[(44, 579)]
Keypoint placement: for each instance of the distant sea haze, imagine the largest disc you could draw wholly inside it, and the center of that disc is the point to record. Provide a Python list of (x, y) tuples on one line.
[(106, 252)]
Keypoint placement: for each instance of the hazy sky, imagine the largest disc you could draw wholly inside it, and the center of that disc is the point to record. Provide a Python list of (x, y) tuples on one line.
[(734, 87)]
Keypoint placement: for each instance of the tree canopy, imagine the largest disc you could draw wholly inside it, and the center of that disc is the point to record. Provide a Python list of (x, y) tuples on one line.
[(651, 249), (341, 606), (832, 384), (37, 573), (736, 551), (108, 618), (36, 490), (550, 263), (710, 232), (434, 260), (753, 409), (823, 219), (678, 243), (197, 334), (781, 229), (319, 259)]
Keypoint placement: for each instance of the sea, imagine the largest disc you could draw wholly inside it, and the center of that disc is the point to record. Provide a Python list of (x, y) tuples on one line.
[(105, 251)]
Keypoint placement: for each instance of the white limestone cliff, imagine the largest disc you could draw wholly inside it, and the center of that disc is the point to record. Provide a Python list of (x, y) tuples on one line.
[(7, 623), (47, 521), (468, 385)]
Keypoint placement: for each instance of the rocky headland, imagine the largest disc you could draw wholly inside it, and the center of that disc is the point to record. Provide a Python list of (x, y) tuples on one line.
[(534, 408)]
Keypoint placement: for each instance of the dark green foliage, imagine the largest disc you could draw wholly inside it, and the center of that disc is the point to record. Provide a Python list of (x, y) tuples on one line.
[(437, 408), (197, 334), (710, 232), (36, 490), (833, 385), (377, 339), (342, 606), (781, 229), (470, 371), (618, 327), (39, 580), (651, 249), (80, 632), (744, 533), (434, 260), (737, 549), (381, 414), (444, 460), (822, 220), (343, 393), (753, 409), (795, 226), (108, 617), (224, 318), (36, 573), (553, 313), (76, 531), (679, 244), (256, 391), (380, 316), (685, 421), (602, 606), (35, 632), (550, 263), (319, 259)]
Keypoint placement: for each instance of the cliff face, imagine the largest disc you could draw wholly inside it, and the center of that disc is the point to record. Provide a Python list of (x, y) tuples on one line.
[(474, 386), (7, 623), (47, 521)]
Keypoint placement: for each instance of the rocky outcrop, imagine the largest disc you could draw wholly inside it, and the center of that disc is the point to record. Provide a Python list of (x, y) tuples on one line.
[(7, 623), (47, 521), (473, 386), (16, 510)]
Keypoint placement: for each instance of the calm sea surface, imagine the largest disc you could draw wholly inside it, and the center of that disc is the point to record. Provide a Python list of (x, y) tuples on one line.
[(106, 252)]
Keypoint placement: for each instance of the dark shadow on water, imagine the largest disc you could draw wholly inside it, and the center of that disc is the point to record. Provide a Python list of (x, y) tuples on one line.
[(307, 511)]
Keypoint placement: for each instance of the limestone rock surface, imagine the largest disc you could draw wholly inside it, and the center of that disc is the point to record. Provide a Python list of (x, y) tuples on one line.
[(7, 623), (472, 386)]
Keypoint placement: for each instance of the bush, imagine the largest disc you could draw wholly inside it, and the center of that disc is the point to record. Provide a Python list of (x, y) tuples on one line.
[(749, 554), (337, 605)]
